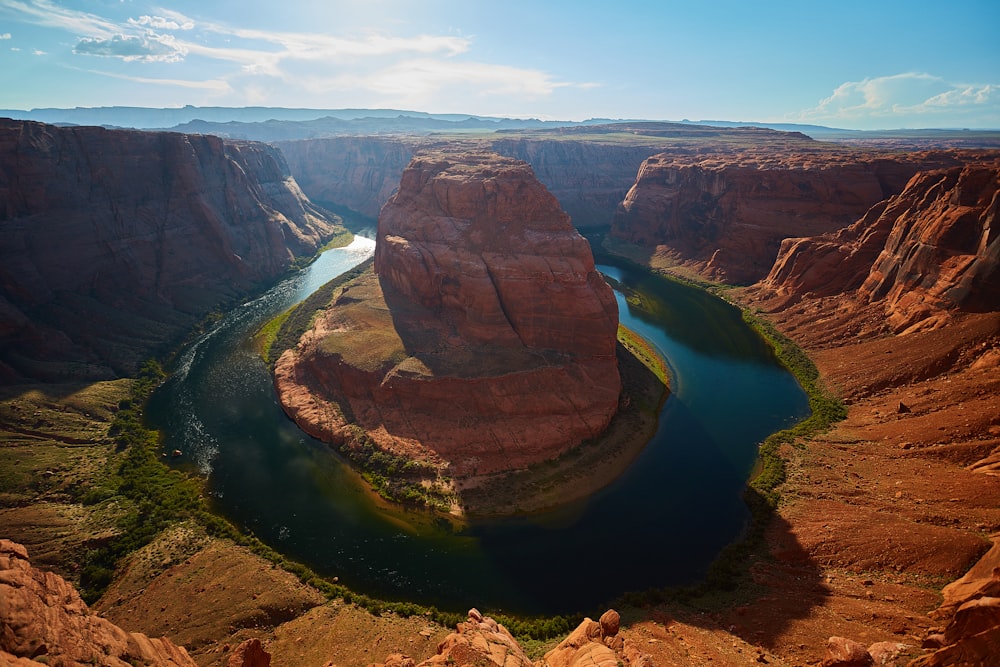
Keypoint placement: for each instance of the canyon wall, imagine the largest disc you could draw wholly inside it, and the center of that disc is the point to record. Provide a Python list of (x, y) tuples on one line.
[(359, 173), (486, 341), (115, 243), (924, 253), (725, 214), (588, 178)]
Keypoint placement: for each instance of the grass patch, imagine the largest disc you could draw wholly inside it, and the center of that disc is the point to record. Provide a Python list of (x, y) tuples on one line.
[(644, 352), (284, 331)]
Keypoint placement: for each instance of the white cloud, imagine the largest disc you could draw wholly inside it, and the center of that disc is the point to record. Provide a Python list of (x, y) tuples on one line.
[(6, 35), (161, 23), (39, 52), (145, 48), (911, 97)]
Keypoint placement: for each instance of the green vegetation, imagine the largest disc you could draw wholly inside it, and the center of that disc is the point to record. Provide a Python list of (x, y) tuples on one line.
[(397, 478), (284, 331), (645, 353)]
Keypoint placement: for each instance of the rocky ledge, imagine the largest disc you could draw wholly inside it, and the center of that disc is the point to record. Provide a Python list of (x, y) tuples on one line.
[(43, 620), (484, 341)]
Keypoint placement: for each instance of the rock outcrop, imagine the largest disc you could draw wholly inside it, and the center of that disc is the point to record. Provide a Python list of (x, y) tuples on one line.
[(482, 641), (485, 341), (928, 251), (725, 214), (43, 620), (113, 242)]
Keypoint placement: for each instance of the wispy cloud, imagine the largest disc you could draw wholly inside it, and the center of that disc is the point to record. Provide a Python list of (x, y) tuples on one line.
[(5, 35), (911, 95), (213, 85), (146, 48), (253, 63), (52, 15)]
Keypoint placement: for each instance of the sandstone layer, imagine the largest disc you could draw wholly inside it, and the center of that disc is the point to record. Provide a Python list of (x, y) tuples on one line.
[(931, 250), (44, 621), (358, 173), (114, 242), (484, 342), (725, 213)]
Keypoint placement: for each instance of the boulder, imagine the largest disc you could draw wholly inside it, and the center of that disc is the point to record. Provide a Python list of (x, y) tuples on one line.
[(843, 652)]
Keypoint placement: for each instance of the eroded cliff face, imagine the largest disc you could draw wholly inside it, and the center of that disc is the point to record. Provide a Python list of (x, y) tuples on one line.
[(484, 342), (725, 214), (359, 173), (929, 251), (115, 242), (589, 179)]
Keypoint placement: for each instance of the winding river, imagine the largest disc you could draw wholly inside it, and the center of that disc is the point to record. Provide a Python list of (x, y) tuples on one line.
[(661, 523)]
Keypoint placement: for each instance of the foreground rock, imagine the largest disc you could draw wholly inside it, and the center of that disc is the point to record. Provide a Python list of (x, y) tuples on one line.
[(724, 214), (483, 642), (114, 243), (484, 342), (43, 620)]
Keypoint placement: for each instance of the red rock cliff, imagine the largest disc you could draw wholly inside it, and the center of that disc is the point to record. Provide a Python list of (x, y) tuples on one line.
[(115, 242), (726, 213), (925, 252), (487, 341)]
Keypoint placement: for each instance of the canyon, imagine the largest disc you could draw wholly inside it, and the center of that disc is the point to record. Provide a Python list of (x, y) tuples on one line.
[(887, 281), (116, 243), (482, 293)]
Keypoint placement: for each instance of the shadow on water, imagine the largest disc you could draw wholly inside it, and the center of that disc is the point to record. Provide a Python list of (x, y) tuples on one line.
[(661, 523)]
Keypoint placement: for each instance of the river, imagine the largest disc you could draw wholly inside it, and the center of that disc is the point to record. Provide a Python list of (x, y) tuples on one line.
[(661, 523)]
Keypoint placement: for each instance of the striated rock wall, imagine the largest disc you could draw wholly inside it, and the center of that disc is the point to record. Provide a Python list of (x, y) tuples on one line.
[(725, 214), (360, 173), (588, 178), (43, 620), (115, 242), (923, 253), (486, 342)]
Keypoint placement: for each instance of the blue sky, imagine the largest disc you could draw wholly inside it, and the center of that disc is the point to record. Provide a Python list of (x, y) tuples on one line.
[(866, 65)]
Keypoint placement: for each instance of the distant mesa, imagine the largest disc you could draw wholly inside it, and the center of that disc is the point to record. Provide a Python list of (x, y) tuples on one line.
[(484, 340)]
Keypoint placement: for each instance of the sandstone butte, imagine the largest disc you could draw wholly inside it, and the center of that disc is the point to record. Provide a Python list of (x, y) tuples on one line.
[(483, 342), (724, 214)]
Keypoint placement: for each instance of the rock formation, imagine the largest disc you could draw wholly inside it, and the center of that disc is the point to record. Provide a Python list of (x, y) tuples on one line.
[(726, 213), (486, 341), (928, 251), (43, 620), (481, 641), (359, 173), (116, 242)]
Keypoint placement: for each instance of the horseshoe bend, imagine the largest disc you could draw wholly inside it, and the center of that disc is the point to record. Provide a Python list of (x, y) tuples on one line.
[(482, 342)]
